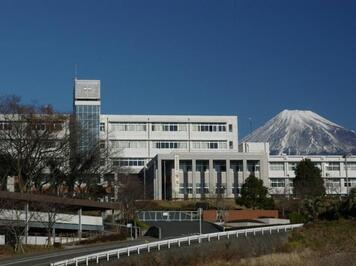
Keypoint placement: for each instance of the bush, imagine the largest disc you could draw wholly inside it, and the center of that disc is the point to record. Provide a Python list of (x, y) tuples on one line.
[(297, 218)]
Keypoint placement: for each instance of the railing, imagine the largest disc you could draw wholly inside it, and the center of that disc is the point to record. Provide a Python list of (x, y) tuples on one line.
[(155, 216), (116, 253)]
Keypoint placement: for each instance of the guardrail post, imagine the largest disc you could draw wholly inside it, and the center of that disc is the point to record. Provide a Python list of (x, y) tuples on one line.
[(218, 236), (107, 256), (245, 233), (199, 239), (178, 243), (237, 234), (169, 244), (189, 241), (76, 262), (97, 259), (148, 249), (138, 251), (118, 254), (270, 231), (254, 232), (228, 235), (87, 261), (159, 247), (209, 238), (285, 229), (128, 252), (262, 231)]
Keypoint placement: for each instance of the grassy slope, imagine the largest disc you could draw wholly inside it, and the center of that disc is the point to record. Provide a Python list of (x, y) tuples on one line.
[(322, 243)]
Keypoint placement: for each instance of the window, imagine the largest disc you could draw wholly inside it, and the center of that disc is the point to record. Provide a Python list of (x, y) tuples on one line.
[(277, 182), (206, 145), (5, 125), (351, 166), (129, 144), (253, 166), (127, 162), (230, 127), (169, 127), (128, 126), (317, 164), (231, 145), (292, 166), (102, 127), (209, 127), (169, 144), (276, 166), (333, 166)]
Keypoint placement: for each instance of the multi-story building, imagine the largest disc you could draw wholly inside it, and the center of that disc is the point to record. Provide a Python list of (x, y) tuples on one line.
[(133, 140), (194, 156)]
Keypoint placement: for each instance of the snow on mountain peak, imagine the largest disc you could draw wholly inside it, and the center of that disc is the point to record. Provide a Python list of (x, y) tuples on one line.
[(303, 132)]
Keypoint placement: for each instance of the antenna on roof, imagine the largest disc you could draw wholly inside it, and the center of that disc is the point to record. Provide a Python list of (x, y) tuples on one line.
[(250, 120), (75, 71)]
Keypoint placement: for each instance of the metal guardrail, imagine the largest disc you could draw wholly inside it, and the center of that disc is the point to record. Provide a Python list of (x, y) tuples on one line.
[(155, 216), (116, 253)]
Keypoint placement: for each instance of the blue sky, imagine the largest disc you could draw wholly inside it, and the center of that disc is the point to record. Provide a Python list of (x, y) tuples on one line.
[(247, 58)]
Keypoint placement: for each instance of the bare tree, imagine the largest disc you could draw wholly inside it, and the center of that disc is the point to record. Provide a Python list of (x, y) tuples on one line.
[(49, 214), (31, 136), (16, 218)]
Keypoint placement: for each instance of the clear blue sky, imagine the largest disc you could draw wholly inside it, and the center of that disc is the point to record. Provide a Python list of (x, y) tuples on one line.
[(249, 58)]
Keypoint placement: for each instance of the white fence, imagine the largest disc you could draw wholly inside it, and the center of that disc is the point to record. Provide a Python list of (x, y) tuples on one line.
[(42, 217), (43, 240), (116, 253)]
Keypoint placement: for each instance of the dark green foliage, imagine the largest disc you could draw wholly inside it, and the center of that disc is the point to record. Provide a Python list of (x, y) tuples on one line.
[(296, 217), (308, 182), (254, 194)]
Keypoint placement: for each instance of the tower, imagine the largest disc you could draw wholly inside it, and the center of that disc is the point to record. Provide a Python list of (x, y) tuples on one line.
[(86, 109)]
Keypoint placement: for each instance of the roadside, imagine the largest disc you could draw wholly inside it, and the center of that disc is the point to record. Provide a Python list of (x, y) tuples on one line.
[(44, 258)]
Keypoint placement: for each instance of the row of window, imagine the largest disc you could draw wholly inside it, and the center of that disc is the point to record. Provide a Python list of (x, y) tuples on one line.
[(141, 144), (91, 109), (281, 182), (169, 127), (211, 127), (128, 162), (36, 125), (206, 145), (129, 144), (206, 127), (126, 126), (330, 166), (169, 144)]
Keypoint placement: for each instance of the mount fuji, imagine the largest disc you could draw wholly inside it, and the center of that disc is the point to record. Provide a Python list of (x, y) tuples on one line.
[(304, 132)]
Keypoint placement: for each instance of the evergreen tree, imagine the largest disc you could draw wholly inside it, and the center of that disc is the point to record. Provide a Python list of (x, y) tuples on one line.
[(308, 182), (254, 194)]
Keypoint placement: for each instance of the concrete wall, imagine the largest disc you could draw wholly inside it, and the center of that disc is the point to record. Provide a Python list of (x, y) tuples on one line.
[(233, 215)]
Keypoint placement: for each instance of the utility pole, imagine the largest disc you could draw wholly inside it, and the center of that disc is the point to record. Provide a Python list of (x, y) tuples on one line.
[(200, 224)]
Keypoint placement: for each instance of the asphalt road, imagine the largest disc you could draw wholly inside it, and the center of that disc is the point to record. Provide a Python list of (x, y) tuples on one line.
[(47, 258)]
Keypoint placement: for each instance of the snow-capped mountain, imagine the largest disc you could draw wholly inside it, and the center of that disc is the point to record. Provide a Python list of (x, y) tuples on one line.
[(304, 132)]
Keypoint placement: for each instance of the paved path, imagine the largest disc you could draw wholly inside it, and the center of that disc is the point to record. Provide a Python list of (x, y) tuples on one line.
[(47, 258)]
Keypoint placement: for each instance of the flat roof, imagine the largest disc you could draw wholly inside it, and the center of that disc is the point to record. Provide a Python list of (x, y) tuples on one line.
[(70, 202)]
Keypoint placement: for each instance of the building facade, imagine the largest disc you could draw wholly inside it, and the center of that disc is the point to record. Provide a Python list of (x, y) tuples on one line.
[(182, 157)]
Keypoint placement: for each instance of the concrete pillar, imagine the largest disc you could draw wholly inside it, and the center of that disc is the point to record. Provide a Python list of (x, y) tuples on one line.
[(159, 180), (212, 180), (229, 180), (27, 223), (194, 177), (244, 167), (80, 228)]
